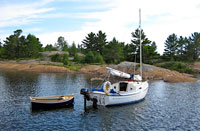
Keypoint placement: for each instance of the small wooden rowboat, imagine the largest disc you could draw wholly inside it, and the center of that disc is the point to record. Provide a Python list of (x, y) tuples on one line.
[(52, 101)]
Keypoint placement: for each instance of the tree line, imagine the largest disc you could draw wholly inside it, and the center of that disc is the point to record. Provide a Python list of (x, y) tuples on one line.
[(182, 48), (18, 46), (97, 49)]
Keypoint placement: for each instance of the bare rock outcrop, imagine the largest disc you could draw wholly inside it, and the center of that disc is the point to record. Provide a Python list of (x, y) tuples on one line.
[(149, 72)]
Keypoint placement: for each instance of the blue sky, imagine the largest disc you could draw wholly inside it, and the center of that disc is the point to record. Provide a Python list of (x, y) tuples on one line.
[(74, 19)]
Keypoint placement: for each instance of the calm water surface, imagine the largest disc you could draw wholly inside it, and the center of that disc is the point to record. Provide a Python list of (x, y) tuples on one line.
[(168, 106)]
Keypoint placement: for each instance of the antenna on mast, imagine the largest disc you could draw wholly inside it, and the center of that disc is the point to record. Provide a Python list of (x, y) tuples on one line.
[(140, 43)]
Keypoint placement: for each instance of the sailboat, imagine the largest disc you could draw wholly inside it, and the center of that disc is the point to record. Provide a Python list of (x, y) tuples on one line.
[(128, 91)]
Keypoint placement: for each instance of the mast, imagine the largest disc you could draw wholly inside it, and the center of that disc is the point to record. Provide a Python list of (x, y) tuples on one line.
[(140, 43)]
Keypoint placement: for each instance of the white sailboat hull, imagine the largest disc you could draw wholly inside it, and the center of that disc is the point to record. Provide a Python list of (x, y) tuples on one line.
[(120, 98)]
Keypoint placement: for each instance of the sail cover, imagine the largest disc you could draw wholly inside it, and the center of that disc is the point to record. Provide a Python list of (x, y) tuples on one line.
[(123, 74), (118, 73)]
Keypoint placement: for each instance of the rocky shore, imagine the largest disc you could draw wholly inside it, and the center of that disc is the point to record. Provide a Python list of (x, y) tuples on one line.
[(149, 72)]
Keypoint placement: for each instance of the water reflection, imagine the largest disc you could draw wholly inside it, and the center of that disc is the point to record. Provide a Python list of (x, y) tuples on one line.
[(14, 84)]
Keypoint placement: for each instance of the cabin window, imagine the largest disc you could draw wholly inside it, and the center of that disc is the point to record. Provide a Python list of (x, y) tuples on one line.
[(123, 86)]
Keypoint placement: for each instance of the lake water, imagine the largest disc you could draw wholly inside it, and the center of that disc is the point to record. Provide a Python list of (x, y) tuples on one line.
[(168, 106)]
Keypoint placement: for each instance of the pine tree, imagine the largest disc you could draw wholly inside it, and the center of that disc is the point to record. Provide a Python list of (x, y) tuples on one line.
[(171, 46)]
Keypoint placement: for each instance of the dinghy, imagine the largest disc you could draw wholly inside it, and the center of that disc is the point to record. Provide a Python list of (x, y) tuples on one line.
[(52, 101)]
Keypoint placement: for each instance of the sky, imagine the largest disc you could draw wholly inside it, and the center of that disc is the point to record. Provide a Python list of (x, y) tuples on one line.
[(75, 19)]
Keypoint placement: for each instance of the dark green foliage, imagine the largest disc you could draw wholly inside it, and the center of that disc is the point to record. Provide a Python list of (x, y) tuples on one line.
[(33, 46), (100, 42), (194, 46), (12, 45), (56, 58), (135, 41), (129, 52), (59, 58), (171, 46), (95, 42), (181, 44), (89, 42), (185, 49), (150, 53), (77, 58), (17, 46), (178, 66), (89, 58), (113, 52), (98, 58), (93, 58), (72, 50), (148, 47), (65, 59), (50, 48)]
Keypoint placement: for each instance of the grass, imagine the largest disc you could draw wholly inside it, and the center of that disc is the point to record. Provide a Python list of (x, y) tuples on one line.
[(51, 64), (74, 67), (177, 66)]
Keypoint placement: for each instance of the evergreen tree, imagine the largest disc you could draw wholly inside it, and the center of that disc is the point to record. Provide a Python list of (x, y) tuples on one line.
[(100, 42), (12, 45), (95, 42), (181, 45), (130, 52), (33, 46), (89, 42), (136, 42), (194, 46), (171, 46), (148, 47), (17, 46), (150, 52), (113, 53)]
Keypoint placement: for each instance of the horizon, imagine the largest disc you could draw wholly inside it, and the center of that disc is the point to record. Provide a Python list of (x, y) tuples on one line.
[(74, 19)]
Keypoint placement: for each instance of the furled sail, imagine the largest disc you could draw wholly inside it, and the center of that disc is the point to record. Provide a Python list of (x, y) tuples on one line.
[(123, 74)]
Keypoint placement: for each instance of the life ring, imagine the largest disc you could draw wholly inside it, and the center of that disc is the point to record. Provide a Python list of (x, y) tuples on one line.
[(107, 87)]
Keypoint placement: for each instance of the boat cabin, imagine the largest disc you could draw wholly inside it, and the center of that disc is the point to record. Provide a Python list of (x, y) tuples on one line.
[(124, 86)]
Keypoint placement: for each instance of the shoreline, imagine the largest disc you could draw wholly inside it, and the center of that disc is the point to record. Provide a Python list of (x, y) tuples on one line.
[(149, 72)]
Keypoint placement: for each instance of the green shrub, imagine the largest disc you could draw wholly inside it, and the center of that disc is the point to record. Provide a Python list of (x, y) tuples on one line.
[(74, 67), (178, 66), (66, 59), (77, 58), (56, 58), (98, 59), (89, 58)]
